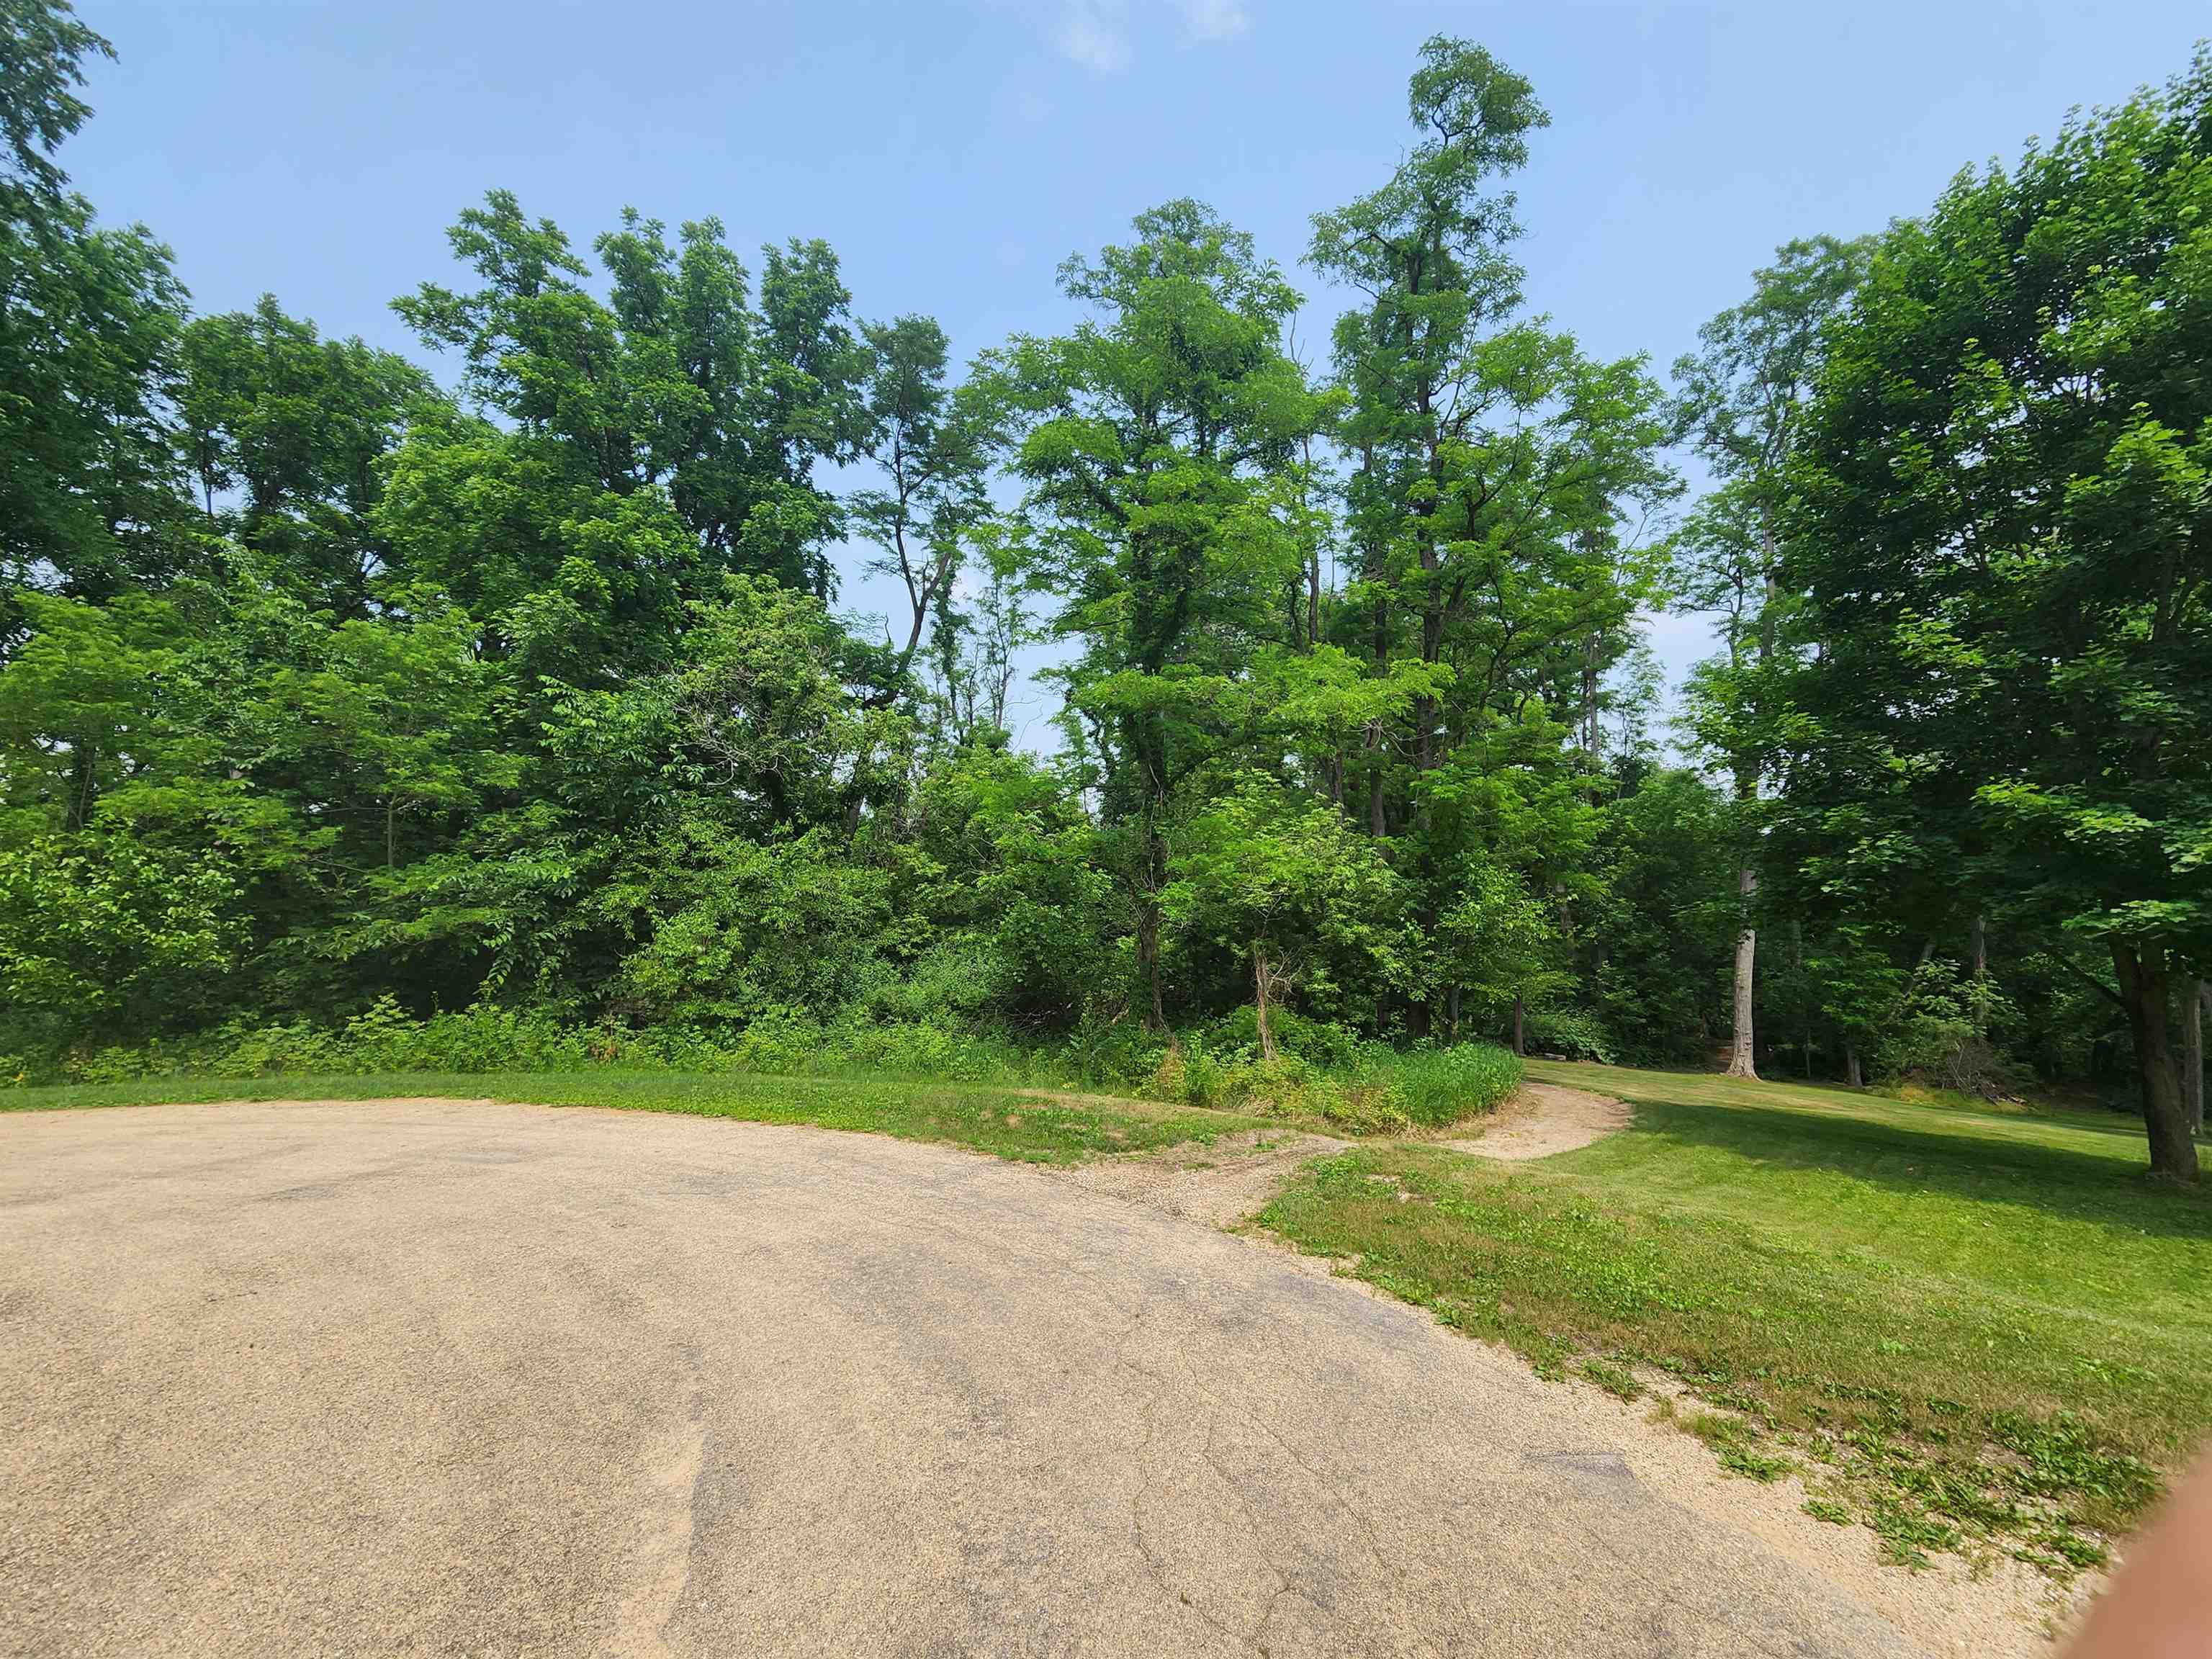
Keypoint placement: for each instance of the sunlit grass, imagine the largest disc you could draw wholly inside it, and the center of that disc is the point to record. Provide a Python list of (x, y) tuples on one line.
[(1963, 1326), (1007, 1122)]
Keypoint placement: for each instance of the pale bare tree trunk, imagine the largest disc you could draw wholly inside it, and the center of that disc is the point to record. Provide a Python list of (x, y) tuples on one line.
[(1259, 999), (1743, 1045), (1741, 1062)]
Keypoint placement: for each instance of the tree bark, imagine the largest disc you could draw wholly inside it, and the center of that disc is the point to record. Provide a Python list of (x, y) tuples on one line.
[(1148, 966), (1853, 1077), (2193, 993), (2145, 982), (1741, 1060), (1260, 1000), (1520, 1026)]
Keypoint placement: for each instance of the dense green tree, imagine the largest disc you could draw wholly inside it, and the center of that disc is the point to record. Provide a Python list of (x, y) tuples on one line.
[(296, 429), (1493, 466), (1740, 398), (676, 388), (2006, 556), (1284, 881), (1658, 955), (89, 323), (1141, 433)]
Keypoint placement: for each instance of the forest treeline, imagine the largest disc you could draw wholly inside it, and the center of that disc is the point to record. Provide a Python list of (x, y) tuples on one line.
[(513, 678)]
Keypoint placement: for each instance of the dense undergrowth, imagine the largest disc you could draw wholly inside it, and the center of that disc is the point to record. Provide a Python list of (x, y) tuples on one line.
[(1322, 1073)]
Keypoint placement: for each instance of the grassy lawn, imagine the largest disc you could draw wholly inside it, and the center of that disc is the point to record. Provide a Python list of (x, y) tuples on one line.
[(1967, 1330), (1006, 1122)]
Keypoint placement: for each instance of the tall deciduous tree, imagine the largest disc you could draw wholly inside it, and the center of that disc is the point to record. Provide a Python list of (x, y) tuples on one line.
[(1739, 397), (88, 322), (295, 427), (1495, 474), (1142, 432), (932, 444), (2005, 549)]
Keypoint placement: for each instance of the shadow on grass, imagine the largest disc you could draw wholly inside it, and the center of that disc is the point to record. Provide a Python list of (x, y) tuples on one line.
[(1979, 1166)]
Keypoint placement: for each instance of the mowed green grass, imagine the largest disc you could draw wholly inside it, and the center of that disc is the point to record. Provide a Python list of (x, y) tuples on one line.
[(1006, 1122), (1966, 1330)]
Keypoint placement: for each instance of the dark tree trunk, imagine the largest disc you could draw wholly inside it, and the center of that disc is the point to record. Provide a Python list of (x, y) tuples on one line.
[(1851, 1073), (2193, 997), (1520, 1026), (84, 786), (1148, 966), (2145, 983)]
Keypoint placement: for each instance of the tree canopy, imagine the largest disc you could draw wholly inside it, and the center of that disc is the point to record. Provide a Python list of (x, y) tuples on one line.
[(512, 671)]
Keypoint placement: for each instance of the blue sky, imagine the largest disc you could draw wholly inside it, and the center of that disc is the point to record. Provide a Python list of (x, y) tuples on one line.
[(954, 152)]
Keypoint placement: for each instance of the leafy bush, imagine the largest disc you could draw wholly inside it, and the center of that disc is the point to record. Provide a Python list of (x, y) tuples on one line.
[(1236, 1033), (957, 983), (1943, 1038), (1573, 1032)]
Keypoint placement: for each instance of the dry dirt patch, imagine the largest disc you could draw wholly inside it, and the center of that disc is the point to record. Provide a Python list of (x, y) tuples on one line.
[(1544, 1118), (1221, 1184)]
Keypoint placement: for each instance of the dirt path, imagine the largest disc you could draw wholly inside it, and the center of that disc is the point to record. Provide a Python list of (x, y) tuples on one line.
[(1544, 1118), (1230, 1182)]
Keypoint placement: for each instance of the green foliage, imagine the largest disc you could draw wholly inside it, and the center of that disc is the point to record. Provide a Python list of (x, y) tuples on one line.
[(325, 690), (2005, 558), (88, 343), (738, 926), (1284, 884), (1941, 1032), (99, 931)]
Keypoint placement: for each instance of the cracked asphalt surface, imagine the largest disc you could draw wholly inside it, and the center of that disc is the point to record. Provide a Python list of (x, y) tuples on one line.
[(445, 1377)]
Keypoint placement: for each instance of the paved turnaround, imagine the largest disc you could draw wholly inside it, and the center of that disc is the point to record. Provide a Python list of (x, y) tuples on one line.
[(452, 1377)]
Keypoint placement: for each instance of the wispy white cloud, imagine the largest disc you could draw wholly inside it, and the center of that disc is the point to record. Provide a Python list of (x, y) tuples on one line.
[(1100, 34), (1095, 34), (1214, 20)]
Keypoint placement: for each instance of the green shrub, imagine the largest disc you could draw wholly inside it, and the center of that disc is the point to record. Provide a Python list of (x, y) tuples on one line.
[(1237, 1035), (1573, 1032)]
